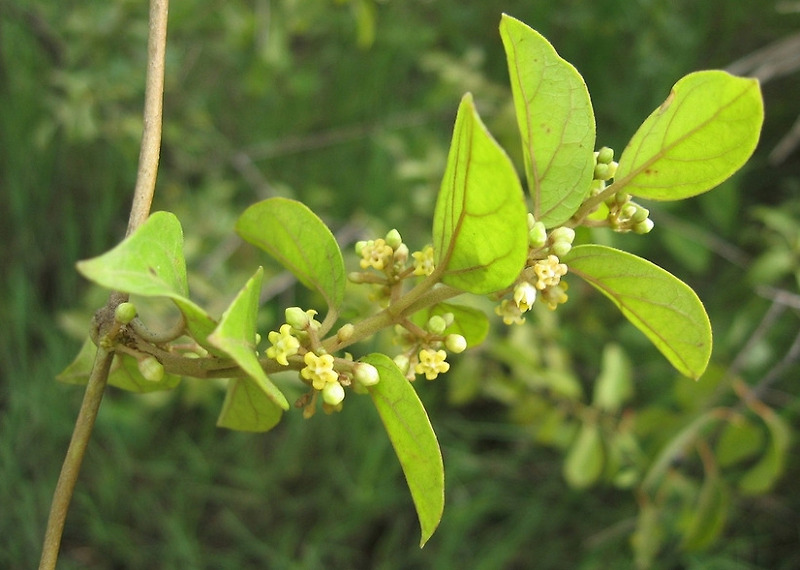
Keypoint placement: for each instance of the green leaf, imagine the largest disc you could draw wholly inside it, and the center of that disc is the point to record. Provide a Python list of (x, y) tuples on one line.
[(235, 336), (300, 241), (704, 132), (480, 223), (555, 119), (124, 372), (150, 263), (248, 407), (614, 385), (413, 439), (659, 304), (741, 439), (584, 462), (708, 516), (763, 475)]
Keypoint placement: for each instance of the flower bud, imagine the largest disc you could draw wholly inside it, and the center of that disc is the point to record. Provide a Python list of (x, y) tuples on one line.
[(345, 332), (561, 248), (125, 313), (621, 197), (151, 369), (400, 253), (562, 234), (640, 215), (365, 374), (393, 239), (297, 318), (612, 169), (333, 393), (360, 245), (537, 236), (644, 227), (436, 324), (402, 362), (455, 343), (605, 155), (601, 171)]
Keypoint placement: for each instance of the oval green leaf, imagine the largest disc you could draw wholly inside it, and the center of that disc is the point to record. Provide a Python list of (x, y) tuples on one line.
[(659, 304), (291, 233), (480, 222), (704, 132), (413, 439), (556, 121), (150, 263), (584, 462), (248, 407), (235, 336), (708, 514)]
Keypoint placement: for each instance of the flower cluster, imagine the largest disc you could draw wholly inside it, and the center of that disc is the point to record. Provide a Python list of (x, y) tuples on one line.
[(425, 349), (296, 344)]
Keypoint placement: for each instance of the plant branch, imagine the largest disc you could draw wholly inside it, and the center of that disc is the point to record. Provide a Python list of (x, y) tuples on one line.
[(72, 462), (140, 209)]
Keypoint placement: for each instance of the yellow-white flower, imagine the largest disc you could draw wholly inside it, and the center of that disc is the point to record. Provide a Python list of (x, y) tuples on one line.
[(431, 363), (319, 369), (283, 345)]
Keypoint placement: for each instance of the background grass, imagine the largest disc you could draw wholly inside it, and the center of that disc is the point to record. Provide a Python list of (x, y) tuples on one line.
[(279, 98)]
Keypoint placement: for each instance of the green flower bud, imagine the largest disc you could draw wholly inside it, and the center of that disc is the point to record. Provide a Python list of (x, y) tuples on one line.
[(562, 234), (297, 318), (345, 332), (125, 313), (531, 221), (537, 236), (393, 239), (628, 211), (151, 369), (400, 253), (612, 169), (455, 343), (622, 197), (561, 248), (601, 171), (360, 245), (365, 374), (605, 155), (644, 227), (333, 393), (436, 324), (449, 318), (640, 215), (402, 362)]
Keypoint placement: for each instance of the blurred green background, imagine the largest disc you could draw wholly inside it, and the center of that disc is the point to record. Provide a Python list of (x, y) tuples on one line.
[(348, 106)]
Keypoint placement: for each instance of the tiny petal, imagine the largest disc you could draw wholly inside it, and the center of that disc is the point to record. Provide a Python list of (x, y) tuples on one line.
[(524, 296)]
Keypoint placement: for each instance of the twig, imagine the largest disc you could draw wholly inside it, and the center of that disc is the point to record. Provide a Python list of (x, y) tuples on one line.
[(140, 209)]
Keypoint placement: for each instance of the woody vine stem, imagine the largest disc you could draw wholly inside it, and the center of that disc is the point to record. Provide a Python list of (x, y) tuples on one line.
[(104, 322)]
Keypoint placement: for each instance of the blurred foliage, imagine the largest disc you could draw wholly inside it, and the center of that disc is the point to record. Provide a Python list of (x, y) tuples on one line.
[(348, 106)]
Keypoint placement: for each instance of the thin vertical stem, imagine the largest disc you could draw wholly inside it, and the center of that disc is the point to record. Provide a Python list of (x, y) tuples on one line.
[(140, 209)]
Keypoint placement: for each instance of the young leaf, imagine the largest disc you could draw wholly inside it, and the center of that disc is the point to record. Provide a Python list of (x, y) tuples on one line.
[(150, 263), (555, 119), (235, 336), (414, 442), (480, 222), (300, 241), (659, 304), (704, 132), (584, 462)]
